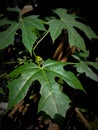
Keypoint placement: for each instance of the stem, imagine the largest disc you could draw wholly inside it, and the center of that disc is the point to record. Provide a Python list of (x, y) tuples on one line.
[(40, 40), (34, 53), (83, 120), (12, 62), (2, 75)]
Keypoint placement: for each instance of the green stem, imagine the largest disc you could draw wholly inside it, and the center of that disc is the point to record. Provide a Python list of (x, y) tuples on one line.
[(34, 53), (2, 75), (12, 62), (40, 40)]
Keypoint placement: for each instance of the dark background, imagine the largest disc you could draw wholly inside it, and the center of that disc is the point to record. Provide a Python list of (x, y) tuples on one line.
[(88, 9)]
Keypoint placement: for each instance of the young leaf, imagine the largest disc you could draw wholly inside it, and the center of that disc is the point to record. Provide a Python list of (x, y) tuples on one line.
[(50, 90), (68, 21)]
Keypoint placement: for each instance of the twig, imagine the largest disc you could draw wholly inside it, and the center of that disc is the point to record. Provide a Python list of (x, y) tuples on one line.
[(83, 120)]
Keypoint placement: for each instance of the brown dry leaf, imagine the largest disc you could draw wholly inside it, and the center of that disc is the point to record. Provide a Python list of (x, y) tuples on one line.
[(26, 9)]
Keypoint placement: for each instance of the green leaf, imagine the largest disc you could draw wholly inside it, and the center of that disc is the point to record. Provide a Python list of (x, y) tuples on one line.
[(55, 27), (52, 99), (68, 21), (82, 67), (94, 64), (1, 91), (81, 56), (26, 24), (7, 36)]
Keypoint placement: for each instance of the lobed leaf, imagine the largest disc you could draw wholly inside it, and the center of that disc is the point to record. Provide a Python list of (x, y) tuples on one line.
[(82, 67), (50, 89), (7, 36), (68, 22), (26, 24)]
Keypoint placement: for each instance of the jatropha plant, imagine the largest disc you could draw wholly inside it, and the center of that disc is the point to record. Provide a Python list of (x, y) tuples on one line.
[(52, 72)]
